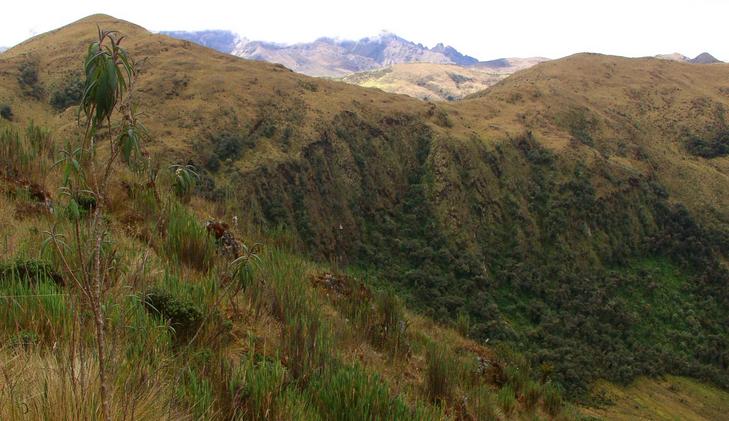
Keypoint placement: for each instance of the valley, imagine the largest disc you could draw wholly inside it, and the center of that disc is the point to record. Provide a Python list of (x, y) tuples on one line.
[(558, 235)]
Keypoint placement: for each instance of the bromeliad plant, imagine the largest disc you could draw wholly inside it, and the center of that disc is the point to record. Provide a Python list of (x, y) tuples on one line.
[(107, 117)]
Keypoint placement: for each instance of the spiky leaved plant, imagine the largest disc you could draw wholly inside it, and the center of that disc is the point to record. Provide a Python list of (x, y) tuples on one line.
[(109, 74)]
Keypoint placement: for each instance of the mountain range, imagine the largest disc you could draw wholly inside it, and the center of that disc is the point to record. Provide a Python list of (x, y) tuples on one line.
[(385, 61), (330, 57), (703, 58)]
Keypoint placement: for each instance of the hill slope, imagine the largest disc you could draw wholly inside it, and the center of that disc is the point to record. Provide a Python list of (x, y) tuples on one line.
[(440, 82), (577, 210), (436, 82)]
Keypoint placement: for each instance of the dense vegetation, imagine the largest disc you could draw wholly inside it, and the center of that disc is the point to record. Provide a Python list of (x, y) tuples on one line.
[(69, 93), (582, 282), (123, 304)]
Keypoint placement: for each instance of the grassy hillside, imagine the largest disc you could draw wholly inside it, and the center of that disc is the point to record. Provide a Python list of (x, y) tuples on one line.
[(665, 399), (428, 81), (575, 212)]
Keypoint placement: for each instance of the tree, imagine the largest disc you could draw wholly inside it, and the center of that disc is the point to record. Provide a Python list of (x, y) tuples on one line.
[(110, 74)]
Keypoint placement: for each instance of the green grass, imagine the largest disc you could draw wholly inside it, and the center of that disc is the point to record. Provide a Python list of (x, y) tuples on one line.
[(187, 242)]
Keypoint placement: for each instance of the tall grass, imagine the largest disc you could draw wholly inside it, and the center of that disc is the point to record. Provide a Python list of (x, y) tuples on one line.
[(351, 394), (506, 399), (441, 370), (481, 404), (26, 156), (552, 399), (306, 345), (31, 303), (39, 385), (187, 242)]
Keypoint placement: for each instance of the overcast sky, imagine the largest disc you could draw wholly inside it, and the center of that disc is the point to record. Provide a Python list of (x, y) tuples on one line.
[(484, 29)]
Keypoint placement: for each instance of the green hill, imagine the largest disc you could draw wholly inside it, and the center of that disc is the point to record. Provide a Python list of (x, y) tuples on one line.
[(573, 217)]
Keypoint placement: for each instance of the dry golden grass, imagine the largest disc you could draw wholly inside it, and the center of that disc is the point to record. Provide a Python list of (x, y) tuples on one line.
[(671, 398), (643, 106), (428, 81), (39, 385)]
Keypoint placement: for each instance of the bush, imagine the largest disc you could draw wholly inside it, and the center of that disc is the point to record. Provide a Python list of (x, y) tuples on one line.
[(28, 79), (229, 145), (711, 148), (68, 94), (6, 112), (31, 272), (184, 181), (184, 317)]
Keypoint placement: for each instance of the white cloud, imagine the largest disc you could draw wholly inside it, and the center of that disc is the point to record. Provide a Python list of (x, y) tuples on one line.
[(485, 29)]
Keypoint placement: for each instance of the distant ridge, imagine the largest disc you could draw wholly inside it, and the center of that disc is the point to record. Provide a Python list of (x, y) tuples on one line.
[(221, 40), (703, 58), (332, 57)]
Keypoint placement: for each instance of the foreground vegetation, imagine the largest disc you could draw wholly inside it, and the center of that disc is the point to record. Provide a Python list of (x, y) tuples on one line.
[(121, 304)]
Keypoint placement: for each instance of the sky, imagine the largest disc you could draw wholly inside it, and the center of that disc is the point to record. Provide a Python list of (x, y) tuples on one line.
[(484, 29)]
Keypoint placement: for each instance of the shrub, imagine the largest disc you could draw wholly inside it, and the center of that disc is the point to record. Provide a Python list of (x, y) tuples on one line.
[(712, 148), (184, 180), (184, 317), (28, 79), (68, 94), (29, 271), (229, 145), (6, 112), (187, 240)]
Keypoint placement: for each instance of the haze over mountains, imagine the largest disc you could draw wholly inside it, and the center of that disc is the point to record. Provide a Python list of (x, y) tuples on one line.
[(385, 61), (330, 57)]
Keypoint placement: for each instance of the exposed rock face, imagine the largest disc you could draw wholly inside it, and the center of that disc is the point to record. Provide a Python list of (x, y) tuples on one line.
[(331, 57), (223, 41), (703, 58)]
